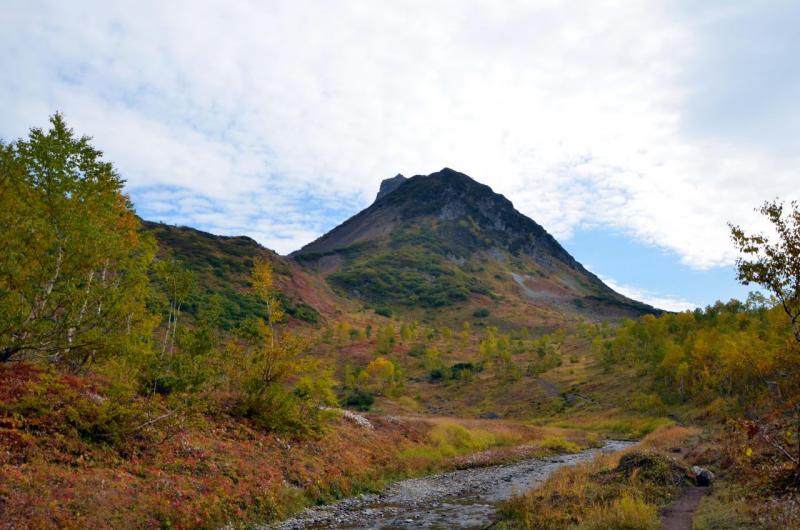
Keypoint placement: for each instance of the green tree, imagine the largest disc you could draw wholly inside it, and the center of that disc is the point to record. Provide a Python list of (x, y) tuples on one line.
[(277, 383), (774, 264), (73, 275)]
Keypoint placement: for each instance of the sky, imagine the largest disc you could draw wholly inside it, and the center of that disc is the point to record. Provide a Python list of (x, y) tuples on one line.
[(632, 131)]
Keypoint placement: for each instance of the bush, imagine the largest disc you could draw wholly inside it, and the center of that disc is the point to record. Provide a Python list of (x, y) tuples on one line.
[(481, 313), (437, 374), (384, 312), (648, 403), (463, 370), (359, 400)]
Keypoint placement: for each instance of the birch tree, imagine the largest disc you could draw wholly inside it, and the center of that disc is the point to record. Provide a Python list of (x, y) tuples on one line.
[(73, 262)]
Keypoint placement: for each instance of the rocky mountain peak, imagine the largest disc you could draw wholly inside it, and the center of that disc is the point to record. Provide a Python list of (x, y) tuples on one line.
[(389, 185)]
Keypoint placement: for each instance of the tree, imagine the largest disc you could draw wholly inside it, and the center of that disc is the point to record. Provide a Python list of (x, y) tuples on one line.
[(775, 265), (385, 339), (279, 385), (73, 269), (178, 284)]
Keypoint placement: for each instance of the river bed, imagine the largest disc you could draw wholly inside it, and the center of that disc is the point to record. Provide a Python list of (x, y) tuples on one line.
[(466, 498)]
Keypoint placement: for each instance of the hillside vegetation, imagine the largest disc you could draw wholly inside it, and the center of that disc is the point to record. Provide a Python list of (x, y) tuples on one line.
[(157, 376)]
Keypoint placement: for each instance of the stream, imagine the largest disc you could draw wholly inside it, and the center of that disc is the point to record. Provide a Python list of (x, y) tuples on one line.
[(465, 498)]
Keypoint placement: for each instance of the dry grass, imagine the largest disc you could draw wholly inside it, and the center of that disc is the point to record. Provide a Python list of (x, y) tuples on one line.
[(608, 492), (671, 438), (628, 512), (616, 423)]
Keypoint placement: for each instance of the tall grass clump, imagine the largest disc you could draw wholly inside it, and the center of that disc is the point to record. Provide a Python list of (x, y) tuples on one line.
[(625, 513)]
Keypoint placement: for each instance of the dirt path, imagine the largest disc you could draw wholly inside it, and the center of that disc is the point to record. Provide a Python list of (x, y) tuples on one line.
[(678, 516), (464, 498)]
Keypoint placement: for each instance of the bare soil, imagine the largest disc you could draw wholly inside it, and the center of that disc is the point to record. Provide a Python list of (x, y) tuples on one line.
[(679, 515)]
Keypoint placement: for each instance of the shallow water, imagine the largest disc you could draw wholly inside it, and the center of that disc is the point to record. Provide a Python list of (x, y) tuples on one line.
[(465, 498)]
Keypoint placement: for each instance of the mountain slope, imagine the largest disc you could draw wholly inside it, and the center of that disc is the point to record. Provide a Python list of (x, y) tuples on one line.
[(222, 265), (447, 240)]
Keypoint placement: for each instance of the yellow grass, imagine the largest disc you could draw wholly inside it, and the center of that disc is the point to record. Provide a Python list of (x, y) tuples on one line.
[(669, 438)]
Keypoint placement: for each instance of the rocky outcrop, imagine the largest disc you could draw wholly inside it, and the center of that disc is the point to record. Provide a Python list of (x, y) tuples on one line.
[(389, 185)]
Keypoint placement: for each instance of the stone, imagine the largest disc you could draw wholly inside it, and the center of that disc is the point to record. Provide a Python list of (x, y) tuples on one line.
[(703, 477)]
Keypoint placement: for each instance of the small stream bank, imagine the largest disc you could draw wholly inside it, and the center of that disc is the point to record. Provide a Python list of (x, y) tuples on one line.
[(464, 499)]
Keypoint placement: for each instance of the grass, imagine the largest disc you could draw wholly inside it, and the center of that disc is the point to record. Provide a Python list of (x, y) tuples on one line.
[(446, 440), (723, 509), (627, 512), (617, 491), (558, 444), (489, 442), (631, 427)]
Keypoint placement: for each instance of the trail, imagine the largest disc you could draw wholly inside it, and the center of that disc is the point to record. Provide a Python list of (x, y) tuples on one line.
[(678, 516), (465, 498)]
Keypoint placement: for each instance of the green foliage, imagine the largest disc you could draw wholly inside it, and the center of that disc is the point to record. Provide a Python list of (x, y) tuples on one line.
[(272, 379), (725, 350), (222, 265), (73, 275), (722, 511), (432, 359), (547, 355), (775, 265), (453, 438), (481, 312), (436, 374), (385, 339), (463, 371), (448, 439), (359, 399), (648, 404), (411, 271)]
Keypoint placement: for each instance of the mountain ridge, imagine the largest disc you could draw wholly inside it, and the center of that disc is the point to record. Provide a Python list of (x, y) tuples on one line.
[(436, 228)]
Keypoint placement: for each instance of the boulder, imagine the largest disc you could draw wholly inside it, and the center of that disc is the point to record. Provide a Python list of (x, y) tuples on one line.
[(702, 476)]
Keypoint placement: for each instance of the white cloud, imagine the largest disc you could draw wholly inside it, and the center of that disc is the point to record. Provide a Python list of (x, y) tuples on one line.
[(669, 303), (271, 118)]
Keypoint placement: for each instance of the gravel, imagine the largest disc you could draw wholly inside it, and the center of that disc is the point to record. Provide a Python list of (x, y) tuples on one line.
[(457, 499)]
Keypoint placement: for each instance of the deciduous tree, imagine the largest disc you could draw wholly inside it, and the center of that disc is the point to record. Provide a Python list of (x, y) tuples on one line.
[(73, 267)]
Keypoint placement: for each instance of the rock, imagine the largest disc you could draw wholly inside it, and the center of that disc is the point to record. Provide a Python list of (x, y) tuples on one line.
[(702, 476), (389, 185), (351, 416)]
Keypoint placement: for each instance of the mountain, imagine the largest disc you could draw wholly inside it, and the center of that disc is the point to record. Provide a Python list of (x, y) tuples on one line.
[(222, 265), (446, 241)]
